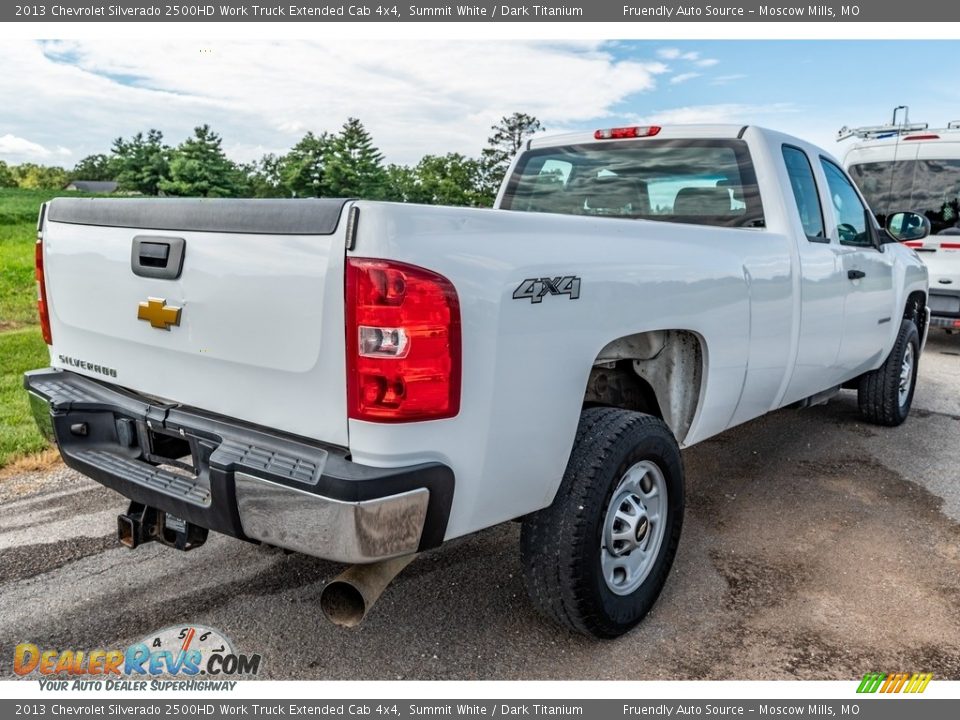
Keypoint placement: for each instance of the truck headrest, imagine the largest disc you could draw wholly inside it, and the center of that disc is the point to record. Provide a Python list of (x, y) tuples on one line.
[(702, 201), (613, 195)]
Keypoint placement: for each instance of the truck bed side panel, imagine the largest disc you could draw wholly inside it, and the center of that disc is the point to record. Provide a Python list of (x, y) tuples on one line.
[(525, 365)]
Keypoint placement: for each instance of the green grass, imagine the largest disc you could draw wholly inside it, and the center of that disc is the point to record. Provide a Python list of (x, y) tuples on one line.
[(22, 206), (18, 293), (21, 347), (20, 350)]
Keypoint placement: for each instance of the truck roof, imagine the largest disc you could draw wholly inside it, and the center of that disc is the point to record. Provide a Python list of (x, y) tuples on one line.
[(668, 132), (665, 132)]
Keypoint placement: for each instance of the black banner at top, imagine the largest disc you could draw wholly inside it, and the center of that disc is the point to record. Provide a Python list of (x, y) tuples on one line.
[(628, 11)]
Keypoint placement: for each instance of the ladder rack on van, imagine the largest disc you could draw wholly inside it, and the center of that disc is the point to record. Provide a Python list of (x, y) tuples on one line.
[(878, 132), (894, 128)]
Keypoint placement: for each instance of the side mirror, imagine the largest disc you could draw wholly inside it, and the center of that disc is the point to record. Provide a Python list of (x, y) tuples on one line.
[(904, 226)]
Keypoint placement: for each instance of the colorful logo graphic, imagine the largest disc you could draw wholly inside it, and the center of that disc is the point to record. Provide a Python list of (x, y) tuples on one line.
[(895, 682), (174, 651)]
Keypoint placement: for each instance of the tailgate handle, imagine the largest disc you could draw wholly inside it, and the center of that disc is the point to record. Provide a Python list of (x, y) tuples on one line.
[(157, 257)]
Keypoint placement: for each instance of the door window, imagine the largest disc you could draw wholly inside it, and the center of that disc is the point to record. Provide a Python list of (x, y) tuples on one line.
[(849, 210)]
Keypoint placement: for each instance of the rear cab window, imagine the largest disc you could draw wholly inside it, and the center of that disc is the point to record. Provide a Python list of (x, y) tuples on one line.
[(704, 182), (805, 192)]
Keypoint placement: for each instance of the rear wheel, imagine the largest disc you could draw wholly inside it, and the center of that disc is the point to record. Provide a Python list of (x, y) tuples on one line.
[(596, 560), (886, 394)]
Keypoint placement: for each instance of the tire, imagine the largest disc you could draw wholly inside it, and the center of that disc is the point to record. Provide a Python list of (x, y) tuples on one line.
[(563, 547), (886, 394)]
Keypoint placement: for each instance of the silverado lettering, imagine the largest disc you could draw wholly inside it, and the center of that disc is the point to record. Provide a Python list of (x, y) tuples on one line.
[(85, 365)]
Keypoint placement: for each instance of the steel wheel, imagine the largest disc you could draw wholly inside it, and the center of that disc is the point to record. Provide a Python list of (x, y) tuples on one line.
[(623, 469), (633, 527), (884, 395), (906, 375)]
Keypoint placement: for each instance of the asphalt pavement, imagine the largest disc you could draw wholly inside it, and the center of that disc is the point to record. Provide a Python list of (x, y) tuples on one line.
[(815, 546)]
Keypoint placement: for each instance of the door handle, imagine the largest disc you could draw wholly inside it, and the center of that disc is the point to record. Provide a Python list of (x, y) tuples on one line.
[(856, 274)]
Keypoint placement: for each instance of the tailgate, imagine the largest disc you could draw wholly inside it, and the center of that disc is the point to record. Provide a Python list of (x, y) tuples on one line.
[(260, 331)]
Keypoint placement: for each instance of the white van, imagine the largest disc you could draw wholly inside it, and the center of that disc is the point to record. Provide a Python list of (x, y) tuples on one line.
[(907, 165)]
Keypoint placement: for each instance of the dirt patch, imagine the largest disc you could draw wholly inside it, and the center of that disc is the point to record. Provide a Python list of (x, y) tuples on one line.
[(944, 663), (831, 564), (754, 583), (13, 471)]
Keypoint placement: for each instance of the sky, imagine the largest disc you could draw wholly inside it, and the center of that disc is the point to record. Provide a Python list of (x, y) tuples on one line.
[(63, 100)]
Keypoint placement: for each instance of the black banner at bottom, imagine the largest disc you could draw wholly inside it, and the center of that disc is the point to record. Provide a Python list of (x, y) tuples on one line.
[(877, 708)]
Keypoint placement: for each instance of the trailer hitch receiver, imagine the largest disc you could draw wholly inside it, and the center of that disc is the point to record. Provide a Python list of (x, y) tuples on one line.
[(142, 524)]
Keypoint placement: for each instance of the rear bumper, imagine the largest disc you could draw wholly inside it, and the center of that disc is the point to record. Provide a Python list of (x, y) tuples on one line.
[(242, 480), (945, 322), (944, 307), (941, 317)]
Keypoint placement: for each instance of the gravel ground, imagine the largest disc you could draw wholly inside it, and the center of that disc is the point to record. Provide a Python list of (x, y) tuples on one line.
[(815, 546)]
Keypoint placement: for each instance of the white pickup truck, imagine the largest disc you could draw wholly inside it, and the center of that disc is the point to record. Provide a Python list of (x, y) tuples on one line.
[(362, 381)]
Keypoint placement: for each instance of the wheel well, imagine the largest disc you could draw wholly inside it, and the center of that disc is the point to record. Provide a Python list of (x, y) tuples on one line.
[(657, 372), (913, 310), (615, 384)]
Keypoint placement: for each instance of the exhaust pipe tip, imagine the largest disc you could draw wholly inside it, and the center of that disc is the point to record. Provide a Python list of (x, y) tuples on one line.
[(347, 599), (343, 604)]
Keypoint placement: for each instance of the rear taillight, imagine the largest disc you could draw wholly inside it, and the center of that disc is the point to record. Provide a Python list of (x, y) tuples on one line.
[(922, 137), (403, 342), (42, 309)]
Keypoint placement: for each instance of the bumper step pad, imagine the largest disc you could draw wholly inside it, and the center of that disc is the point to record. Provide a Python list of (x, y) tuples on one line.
[(149, 476), (300, 469)]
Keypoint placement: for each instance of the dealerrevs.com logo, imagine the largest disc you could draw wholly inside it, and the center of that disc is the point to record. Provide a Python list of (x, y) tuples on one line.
[(188, 652)]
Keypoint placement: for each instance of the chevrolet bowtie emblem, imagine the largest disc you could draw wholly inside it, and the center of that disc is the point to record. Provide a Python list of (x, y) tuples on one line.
[(160, 315)]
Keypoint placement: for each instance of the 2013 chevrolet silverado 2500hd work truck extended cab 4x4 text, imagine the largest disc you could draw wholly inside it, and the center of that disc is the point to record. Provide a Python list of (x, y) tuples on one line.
[(361, 381)]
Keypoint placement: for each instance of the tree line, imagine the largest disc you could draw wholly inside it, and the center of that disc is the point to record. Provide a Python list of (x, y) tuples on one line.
[(342, 164)]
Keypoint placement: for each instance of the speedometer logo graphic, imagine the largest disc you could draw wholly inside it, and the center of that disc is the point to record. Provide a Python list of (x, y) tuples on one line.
[(194, 644)]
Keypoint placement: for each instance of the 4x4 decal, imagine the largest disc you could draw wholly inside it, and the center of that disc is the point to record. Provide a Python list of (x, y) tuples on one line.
[(535, 289)]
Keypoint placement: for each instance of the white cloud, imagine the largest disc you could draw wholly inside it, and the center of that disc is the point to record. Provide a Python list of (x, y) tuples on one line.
[(715, 114), (683, 77), (672, 53), (706, 62), (724, 79), (18, 149), (414, 97)]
